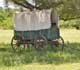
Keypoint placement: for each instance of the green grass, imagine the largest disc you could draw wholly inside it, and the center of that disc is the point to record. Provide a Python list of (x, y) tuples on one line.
[(50, 59)]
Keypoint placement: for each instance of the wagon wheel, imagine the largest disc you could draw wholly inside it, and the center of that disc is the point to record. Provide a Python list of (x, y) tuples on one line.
[(58, 43), (16, 46), (40, 43)]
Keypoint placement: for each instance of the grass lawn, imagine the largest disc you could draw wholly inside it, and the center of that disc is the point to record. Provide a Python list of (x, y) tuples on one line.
[(51, 59)]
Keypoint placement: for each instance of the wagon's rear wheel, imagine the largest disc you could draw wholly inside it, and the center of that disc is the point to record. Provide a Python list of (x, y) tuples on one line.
[(15, 44), (40, 43)]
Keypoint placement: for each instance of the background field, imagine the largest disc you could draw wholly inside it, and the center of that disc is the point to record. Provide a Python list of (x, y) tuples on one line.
[(51, 59)]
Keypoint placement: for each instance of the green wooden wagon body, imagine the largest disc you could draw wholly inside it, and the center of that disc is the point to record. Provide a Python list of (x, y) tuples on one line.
[(50, 34)]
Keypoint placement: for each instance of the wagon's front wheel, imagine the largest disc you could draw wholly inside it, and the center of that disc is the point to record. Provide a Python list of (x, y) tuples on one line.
[(15, 44), (40, 43)]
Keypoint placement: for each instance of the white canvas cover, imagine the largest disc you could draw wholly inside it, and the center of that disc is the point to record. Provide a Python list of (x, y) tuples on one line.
[(35, 20)]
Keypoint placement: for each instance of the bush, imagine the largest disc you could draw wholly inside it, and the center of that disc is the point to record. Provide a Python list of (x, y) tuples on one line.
[(7, 23), (69, 24), (5, 19)]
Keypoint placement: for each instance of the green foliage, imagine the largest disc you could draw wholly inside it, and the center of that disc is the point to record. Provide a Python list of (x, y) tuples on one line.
[(6, 24), (69, 23), (1, 15), (6, 18)]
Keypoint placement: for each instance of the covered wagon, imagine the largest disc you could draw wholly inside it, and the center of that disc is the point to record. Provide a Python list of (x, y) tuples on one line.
[(38, 28)]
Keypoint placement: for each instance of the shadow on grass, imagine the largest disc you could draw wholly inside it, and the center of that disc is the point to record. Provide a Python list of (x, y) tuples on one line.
[(54, 55)]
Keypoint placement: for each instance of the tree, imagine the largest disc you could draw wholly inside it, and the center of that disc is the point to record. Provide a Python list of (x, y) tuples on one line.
[(67, 9), (39, 4), (70, 10)]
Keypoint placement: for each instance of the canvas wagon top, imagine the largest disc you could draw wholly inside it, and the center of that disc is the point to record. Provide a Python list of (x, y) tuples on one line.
[(35, 20)]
